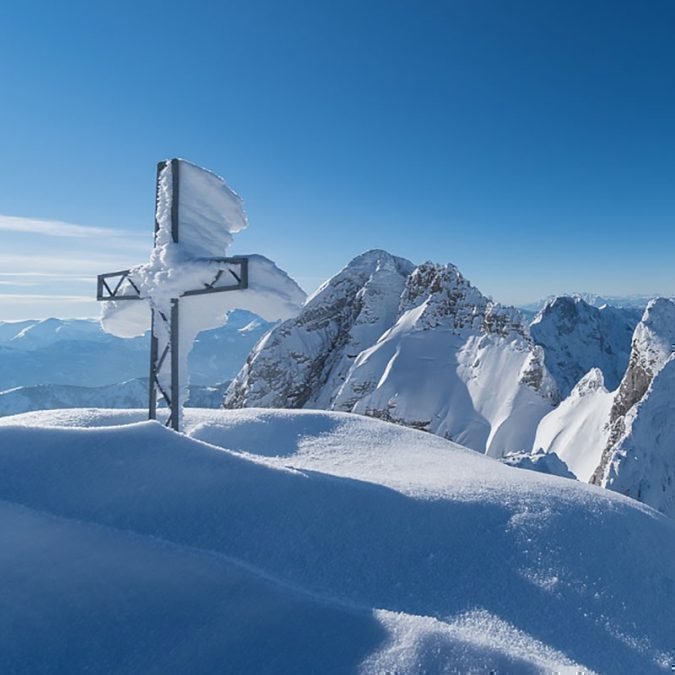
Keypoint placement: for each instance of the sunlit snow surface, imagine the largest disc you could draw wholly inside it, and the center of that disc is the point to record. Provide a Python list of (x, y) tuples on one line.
[(300, 541)]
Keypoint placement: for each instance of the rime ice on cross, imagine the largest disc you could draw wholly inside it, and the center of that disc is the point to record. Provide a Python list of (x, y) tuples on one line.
[(195, 214)]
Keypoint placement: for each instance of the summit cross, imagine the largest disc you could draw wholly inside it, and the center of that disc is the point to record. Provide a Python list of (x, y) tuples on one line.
[(225, 274)]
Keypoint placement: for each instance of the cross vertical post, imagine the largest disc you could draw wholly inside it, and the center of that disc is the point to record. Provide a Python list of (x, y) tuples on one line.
[(152, 389), (170, 323), (175, 367)]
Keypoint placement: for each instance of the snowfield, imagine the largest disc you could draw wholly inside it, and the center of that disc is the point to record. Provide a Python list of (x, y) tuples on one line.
[(303, 541)]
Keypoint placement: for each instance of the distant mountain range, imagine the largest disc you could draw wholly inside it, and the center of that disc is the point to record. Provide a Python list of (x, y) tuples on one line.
[(77, 352), (129, 394), (593, 299)]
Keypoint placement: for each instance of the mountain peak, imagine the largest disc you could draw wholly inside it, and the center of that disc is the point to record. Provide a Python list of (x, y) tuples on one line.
[(387, 339), (577, 337)]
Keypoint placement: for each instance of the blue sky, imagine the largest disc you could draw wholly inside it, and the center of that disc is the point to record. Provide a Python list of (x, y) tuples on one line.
[(531, 143)]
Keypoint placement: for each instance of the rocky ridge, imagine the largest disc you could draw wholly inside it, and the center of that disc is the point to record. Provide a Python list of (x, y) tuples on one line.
[(639, 418), (577, 337)]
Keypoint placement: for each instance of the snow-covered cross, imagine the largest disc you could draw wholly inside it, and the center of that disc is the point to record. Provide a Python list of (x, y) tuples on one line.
[(195, 216)]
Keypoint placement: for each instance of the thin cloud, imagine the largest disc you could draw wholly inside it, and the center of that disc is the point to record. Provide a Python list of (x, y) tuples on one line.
[(61, 264), (43, 276), (57, 259), (56, 228), (34, 297)]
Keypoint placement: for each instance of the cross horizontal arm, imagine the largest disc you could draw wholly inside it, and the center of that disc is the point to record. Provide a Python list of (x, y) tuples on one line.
[(230, 274), (117, 286)]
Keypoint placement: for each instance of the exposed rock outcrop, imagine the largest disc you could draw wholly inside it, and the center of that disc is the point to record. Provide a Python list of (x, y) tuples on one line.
[(577, 337)]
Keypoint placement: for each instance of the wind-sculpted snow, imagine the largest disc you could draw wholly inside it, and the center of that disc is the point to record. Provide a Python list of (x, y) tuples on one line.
[(577, 337), (419, 346), (314, 542)]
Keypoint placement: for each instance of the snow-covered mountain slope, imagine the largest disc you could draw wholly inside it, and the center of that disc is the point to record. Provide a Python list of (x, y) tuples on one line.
[(10, 329), (37, 334), (578, 429), (624, 440), (314, 542), (417, 346), (129, 394), (577, 337), (78, 352), (304, 361), (542, 461), (218, 354), (653, 343), (638, 458)]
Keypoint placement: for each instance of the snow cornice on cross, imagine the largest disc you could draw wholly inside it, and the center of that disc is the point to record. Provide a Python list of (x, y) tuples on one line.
[(196, 214)]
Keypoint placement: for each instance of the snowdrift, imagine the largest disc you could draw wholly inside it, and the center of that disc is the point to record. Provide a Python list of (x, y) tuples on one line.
[(285, 542)]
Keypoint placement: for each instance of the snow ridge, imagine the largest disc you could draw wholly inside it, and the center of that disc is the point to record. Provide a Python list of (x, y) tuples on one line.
[(309, 541)]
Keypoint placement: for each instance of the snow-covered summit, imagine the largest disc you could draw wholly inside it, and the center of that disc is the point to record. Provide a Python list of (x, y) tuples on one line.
[(360, 269), (304, 541), (418, 345), (41, 333), (304, 360)]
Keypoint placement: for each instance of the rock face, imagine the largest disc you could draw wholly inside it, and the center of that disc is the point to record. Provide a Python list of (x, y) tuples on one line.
[(639, 458), (419, 346), (303, 361), (577, 337)]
